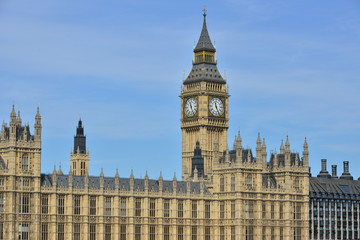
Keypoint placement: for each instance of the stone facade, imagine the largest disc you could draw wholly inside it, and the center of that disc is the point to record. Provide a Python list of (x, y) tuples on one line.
[(224, 193)]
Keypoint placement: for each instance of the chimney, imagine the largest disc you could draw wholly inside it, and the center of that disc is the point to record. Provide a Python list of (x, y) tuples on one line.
[(334, 171), (323, 173), (346, 174)]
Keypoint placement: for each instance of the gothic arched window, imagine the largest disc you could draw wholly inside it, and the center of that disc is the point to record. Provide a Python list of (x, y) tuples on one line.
[(25, 162), (249, 181)]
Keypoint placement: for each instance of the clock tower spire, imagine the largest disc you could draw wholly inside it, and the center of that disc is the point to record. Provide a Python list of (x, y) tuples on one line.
[(204, 106)]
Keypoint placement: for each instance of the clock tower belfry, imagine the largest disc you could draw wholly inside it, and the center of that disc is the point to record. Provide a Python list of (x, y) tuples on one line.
[(204, 108)]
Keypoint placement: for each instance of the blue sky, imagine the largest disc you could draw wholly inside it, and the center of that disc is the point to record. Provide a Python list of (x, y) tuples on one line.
[(292, 67)]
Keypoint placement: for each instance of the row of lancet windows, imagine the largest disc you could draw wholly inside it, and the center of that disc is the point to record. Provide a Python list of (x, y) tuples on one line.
[(248, 183), (179, 234), (123, 209)]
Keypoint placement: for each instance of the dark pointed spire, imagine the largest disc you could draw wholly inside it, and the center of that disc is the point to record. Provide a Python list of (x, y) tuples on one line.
[(80, 139), (204, 62), (204, 43)]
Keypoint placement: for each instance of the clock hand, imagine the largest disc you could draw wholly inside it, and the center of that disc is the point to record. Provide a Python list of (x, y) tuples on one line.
[(217, 108)]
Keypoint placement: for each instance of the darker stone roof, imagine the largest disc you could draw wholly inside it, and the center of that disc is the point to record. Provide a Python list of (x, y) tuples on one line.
[(124, 184), (20, 133), (334, 188), (204, 43), (204, 72), (295, 160), (232, 156)]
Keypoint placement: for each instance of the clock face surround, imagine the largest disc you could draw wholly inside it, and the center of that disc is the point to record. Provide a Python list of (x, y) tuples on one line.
[(191, 107), (216, 107)]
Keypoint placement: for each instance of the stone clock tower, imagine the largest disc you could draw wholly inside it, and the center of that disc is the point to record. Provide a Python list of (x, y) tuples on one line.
[(204, 108)]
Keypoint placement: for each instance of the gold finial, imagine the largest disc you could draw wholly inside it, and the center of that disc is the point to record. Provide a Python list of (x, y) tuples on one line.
[(204, 10)]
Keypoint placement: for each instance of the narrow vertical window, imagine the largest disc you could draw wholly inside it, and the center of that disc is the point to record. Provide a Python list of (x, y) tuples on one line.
[(233, 234), (249, 233), (137, 232), (222, 184), (207, 209), (281, 211), (180, 233), (166, 208), (222, 233), (77, 205), (44, 231), (61, 231), (272, 210), (272, 233), (76, 233), (180, 209), (233, 184), (92, 204), (1, 231), (107, 231), (108, 206), (122, 232), (281, 234), (152, 232), (25, 162), (166, 232), (233, 209), (194, 209), (44, 204), (23, 231), (24, 203), (249, 182), (61, 202), (263, 210), (122, 207), (92, 231), (222, 210), (207, 233), (263, 233), (152, 208), (137, 207), (2, 202), (194, 233)]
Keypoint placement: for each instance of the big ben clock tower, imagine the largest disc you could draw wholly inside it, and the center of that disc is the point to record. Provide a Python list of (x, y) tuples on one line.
[(204, 107)]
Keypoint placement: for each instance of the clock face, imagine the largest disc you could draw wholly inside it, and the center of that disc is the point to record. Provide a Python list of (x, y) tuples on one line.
[(216, 107), (191, 107)]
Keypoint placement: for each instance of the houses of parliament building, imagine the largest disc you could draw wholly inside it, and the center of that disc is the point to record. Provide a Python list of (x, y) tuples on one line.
[(225, 193)]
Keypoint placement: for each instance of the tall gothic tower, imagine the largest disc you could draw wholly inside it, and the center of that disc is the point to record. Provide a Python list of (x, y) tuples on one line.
[(204, 106), (79, 156), (20, 152)]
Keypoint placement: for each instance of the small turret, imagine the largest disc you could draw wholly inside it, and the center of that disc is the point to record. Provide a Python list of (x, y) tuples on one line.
[(264, 153), (238, 147), (18, 119), (282, 149), (287, 153), (258, 149), (37, 127), (161, 182), (80, 157), (174, 182), (305, 154), (13, 115)]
